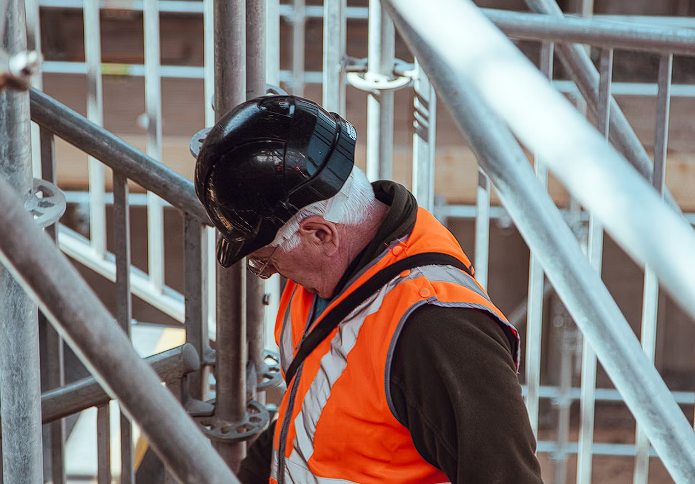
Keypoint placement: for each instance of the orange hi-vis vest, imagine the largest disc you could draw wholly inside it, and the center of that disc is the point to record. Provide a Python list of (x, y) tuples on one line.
[(336, 422)]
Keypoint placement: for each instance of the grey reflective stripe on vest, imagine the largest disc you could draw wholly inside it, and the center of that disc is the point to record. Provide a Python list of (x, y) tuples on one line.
[(449, 274), (332, 365), (334, 362), (300, 473), (286, 346)]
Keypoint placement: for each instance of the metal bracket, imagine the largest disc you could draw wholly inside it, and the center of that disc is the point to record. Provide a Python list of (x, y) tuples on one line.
[(255, 421), (359, 77), (275, 90), (47, 203), (269, 374), (17, 70), (197, 141)]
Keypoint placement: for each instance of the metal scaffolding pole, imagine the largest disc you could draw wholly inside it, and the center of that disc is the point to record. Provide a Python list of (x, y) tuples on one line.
[(298, 44), (255, 287), (598, 33), (103, 347), (334, 40), (650, 300), (582, 71), (424, 139), (536, 290), (595, 254), (121, 227), (230, 374), (491, 70), (153, 107), (20, 379), (62, 402), (95, 113), (482, 229), (382, 48), (52, 351)]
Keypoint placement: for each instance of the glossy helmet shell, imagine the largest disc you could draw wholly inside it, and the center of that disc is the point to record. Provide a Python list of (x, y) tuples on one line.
[(264, 161)]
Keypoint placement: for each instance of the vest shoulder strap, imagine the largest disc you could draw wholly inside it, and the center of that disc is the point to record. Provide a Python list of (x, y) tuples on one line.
[(373, 284)]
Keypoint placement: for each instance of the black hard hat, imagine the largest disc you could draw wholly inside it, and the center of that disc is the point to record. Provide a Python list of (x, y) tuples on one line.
[(265, 160)]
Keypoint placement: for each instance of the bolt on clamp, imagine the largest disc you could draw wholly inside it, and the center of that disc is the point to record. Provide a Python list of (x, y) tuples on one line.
[(47, 203), (17, 70), (359, 76)]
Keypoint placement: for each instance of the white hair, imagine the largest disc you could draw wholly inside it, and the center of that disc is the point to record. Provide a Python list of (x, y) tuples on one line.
[(352, 205)]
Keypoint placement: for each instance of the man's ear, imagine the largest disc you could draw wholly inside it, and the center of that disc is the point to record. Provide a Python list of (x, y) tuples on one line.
[(320, 233)]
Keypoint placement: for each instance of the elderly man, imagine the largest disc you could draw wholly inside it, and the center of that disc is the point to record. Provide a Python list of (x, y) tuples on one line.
[(399, 368)]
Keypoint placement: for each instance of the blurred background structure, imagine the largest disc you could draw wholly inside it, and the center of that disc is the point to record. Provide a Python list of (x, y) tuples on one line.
[(442, 105)]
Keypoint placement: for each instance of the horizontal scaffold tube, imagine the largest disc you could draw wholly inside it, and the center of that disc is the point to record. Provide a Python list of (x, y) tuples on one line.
[(116, 154), (103, 347), (599, 33), (80, 395)]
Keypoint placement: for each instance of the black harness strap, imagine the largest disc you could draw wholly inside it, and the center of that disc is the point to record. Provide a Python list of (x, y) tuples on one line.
[(347, 305)]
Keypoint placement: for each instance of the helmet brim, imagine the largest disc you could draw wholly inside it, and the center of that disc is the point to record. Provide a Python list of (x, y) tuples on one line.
[(230, 252)]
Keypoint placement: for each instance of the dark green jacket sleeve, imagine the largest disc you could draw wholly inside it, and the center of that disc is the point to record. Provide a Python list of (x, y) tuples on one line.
[(454, 386), (255, 468)]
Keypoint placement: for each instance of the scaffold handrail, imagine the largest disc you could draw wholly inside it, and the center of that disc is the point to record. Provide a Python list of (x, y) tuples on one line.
[(116, 153), (71, 306)]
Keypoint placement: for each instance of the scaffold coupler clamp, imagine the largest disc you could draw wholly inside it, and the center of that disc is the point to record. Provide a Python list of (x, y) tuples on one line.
[(269, 375), (17, 70), (360, 77), (47, 203), (254, 421)]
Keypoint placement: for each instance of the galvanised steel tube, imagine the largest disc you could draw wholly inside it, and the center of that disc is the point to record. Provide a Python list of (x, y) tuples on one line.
[(380, 103), (424, 137), (587, 402), (460, 76), (102, 346), (52, 355), (116, 153), (650, 298), (536, 289), (91, 16), (334, 40), (601, 33), (195, 289), (153, 110), (20, 378), (121, 230), (298, 46), (230, 370), (255, 86), (80, 395), (581, 69), (482, 229)]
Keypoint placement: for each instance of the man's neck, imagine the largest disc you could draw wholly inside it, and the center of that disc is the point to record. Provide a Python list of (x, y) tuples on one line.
[(354, 241)]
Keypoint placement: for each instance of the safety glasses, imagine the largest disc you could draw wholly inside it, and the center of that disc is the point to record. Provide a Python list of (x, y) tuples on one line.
[(261, 268)]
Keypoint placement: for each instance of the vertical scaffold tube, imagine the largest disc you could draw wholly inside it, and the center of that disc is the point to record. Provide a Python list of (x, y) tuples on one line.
[(230, 90), (20, 380), (380, 103), (255, 86), (536, 291)]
